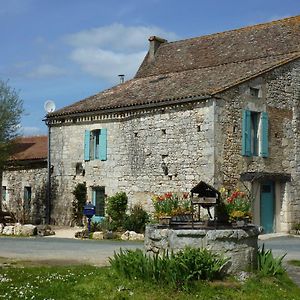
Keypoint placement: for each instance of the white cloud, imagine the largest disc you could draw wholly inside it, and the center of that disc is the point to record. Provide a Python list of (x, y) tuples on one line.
[(117, 37), (107, 64), (27, 131), (46, 70), (107, 51)]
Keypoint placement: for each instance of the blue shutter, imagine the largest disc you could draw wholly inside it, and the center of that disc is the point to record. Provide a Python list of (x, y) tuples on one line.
[(246, 133), (264, 146), (103, 144), (87, 145)]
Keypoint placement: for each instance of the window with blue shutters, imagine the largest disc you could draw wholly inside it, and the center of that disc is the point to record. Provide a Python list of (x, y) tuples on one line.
[(95, 144), (255, 134)]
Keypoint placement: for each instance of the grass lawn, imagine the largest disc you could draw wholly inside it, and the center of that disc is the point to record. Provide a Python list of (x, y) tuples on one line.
[(295, 263), (23, 281)]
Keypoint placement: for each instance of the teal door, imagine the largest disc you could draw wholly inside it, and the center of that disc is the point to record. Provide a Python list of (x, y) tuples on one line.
[(98, 199), (267, 207)]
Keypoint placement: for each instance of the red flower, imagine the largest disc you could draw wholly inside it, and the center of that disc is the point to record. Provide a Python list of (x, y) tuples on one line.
[(168, 195), (230, 199)]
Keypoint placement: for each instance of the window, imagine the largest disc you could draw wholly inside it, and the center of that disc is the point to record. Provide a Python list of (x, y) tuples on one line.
[(4, 193), (27, 199), (255, 92), (98, 199), (254, 122), (255, 134), (95, 144)]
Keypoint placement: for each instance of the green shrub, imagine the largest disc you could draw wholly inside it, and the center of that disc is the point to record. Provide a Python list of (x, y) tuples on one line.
[(80, 195), (296, 226), (269, 265), (176, 269), (137, 219), (116, 210), (98, 226)]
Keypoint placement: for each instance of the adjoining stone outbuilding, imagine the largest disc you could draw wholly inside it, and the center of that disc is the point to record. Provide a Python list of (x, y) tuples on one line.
[(221, 108), (24, 180)]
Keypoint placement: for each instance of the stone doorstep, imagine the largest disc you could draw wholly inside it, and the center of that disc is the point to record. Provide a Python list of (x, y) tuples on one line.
[(263, 237)]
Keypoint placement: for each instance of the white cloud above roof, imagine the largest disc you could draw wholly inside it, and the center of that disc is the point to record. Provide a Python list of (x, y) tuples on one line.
[(107, 64), (117, 37), (46, 70), (107, 51)]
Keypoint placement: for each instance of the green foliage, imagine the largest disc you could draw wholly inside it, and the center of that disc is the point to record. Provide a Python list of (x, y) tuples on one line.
[(11, 109), (116, 210), (97, 226), (137, 219), (176, 270), (238, 205), (296, 226), (39, 280), (294, 262), (171, 204), (269, 265), (80, 194)]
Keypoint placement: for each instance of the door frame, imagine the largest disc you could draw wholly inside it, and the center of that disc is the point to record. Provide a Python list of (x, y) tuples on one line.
[(272, 186)]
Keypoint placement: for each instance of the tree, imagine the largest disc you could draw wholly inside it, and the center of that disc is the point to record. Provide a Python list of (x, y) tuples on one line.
[(11, 110)]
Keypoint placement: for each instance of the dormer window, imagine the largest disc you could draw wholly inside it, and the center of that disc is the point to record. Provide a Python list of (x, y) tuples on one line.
[(255, 92)]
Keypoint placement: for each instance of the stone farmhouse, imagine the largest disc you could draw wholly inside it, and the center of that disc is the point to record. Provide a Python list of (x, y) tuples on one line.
[(24, 180), (222, 108)]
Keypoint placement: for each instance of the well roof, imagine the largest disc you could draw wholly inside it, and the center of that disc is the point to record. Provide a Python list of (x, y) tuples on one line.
[(200, 67)]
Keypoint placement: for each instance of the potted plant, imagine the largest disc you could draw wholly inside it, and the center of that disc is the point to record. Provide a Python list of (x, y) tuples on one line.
[(238, 207), (171, 206)]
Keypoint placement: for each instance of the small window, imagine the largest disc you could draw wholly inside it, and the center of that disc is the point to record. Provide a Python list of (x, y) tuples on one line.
[(4, 193), (27, 198), (255, 92)]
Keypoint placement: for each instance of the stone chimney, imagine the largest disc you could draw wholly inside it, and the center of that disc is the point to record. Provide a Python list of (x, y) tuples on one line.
[(155, 42)]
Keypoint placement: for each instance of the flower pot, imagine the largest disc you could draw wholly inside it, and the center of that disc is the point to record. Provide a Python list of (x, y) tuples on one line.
[(165, 220), (241, 222), (182, 218)]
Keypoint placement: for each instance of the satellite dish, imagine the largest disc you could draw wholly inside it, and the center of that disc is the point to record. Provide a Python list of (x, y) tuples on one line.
[(49, 106)]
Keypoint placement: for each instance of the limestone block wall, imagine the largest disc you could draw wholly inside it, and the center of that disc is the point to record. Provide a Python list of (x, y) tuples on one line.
[(15, 180), (279, 97), (240, 245), (180, 137)]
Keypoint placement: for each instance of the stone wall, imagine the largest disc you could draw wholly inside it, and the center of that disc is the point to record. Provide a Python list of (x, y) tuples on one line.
[(181, 137), (279, 91), (197, 141), (240, 245), (15, 180)]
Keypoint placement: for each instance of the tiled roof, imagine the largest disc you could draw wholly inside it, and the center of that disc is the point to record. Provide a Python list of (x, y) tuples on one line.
[(200, 66), (30, 148)]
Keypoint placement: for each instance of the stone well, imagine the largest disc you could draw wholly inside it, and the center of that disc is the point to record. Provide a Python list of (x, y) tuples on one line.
[(238, 244)]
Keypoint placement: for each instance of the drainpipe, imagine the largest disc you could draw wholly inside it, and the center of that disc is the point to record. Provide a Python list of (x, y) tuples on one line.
[(48, 198)]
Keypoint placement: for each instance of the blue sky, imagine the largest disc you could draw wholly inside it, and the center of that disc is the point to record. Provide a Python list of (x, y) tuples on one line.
[(66, 50)]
